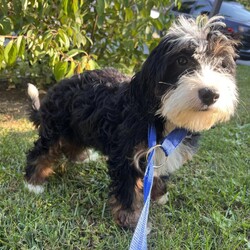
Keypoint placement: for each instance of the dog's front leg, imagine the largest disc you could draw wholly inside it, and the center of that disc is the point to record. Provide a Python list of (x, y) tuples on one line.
[(159, 190), (126, 197)]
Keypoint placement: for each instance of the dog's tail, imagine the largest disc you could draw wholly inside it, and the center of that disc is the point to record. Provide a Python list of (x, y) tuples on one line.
[(34, 114)]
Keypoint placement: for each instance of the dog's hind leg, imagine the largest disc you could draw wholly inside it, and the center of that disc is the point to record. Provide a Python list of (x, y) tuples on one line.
[(74, 153), (40, 160)]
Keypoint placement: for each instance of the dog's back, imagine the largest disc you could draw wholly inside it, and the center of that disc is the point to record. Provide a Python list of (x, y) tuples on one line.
[(68, 92)]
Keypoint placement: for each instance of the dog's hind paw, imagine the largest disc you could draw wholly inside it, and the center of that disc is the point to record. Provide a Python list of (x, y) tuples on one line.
[(92, 156), (37, 189)]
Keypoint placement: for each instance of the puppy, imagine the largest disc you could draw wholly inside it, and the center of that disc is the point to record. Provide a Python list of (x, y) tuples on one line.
[(188, 81)]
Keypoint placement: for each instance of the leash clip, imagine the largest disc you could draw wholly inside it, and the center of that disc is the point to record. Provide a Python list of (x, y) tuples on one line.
[(150, 150)]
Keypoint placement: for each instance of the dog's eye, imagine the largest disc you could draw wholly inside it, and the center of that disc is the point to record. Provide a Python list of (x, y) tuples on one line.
[(182, 60), (224, 64)]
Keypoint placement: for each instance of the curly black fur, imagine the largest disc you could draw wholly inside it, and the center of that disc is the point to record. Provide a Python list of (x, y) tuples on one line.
[(97, 109), (104, 110)]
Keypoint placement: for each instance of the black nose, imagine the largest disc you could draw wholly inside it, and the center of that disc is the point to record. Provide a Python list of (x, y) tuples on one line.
[(208, 96)]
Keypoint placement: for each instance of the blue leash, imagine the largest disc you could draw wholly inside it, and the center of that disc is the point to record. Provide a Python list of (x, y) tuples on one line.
[(170, 142)]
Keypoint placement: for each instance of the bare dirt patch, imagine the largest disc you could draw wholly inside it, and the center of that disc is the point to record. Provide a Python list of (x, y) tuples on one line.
[(13, 103)]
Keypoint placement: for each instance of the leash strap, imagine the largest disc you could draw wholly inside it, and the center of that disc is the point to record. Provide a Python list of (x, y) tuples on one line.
[(139, 240), (170, 142)]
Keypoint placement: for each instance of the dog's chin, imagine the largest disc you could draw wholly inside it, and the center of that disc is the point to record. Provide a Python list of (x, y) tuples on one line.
[(197, 120)]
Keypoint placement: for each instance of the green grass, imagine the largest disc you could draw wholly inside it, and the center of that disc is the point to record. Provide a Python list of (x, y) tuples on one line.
[(209, 205)]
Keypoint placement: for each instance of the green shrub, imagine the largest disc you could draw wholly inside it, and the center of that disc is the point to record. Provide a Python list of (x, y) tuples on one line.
[(64, 37)]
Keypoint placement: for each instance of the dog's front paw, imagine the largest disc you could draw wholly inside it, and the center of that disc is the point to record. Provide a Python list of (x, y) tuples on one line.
[(162, 200), (127, 218)]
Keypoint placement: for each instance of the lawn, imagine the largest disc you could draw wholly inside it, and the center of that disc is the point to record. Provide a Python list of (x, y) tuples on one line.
[(209, 205)]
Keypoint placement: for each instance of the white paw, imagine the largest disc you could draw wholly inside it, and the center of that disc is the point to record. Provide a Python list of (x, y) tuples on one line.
[(163, 199), (149, 228), (92, 156), (37, 189)]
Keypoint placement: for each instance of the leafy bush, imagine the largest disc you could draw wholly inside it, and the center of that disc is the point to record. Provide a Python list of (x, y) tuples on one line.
[(63, 37)]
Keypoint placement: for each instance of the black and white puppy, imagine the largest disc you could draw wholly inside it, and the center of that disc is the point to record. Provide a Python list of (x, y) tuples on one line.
[(188, 81)]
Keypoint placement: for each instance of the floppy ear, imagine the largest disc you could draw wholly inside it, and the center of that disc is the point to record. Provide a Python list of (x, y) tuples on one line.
[(153, 71), (155, 67)]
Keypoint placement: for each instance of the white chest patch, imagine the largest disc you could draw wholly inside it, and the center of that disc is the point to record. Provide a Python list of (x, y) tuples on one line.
[(168, 165)]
